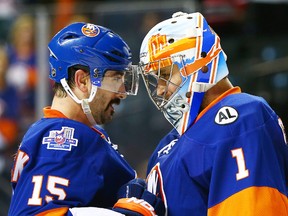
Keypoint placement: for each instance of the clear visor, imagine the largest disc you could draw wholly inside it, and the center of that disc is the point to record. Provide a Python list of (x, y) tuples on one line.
[(162, 79), (121, 82)]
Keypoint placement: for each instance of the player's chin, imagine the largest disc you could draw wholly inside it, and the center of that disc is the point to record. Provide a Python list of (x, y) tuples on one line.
[(109, 116)]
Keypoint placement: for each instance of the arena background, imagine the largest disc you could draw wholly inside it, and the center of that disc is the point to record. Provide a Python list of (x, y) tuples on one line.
[(254, 35)]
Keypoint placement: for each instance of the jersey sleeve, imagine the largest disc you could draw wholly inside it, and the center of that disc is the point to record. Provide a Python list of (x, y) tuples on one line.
[(53, 184)]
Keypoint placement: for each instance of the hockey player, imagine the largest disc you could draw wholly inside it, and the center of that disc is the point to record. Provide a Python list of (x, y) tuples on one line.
[(66, 164), (227, 153)]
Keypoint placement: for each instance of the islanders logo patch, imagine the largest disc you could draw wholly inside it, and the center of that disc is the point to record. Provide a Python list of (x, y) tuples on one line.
[(60, 139), (90, 30), (155, 183)]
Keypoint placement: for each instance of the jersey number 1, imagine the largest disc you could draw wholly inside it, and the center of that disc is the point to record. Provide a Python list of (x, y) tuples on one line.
[(240, 160)]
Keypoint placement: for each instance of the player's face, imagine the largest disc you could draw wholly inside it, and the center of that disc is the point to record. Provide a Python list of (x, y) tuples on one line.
[(168, 82), (103, 105)]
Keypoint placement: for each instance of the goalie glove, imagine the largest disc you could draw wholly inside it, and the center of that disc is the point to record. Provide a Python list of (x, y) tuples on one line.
[(135, 200)]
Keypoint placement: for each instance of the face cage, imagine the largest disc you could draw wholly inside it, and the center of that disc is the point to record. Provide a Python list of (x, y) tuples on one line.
[(152, 78), (125, 82)]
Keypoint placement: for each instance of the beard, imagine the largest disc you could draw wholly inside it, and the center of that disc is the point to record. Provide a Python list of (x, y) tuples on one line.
[(103, 112)]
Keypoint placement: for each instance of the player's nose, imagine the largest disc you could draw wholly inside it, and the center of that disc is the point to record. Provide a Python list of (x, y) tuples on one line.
[(161, 90), (121, 96)]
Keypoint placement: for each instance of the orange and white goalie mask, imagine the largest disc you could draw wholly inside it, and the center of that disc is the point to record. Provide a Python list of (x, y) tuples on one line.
[(180, 59)]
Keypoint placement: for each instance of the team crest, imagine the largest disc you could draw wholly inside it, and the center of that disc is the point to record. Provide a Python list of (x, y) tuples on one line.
[(90, 30), (155, 183), (61, 139)]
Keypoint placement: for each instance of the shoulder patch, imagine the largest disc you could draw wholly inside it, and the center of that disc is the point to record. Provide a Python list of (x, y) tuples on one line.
[(226, 115), (61, 139)]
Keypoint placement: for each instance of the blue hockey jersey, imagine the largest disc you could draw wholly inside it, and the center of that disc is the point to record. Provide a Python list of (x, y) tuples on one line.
[(62, 163), (232, 161)]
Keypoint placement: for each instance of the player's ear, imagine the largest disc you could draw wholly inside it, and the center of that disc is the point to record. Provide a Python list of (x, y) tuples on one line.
[(82, 80)]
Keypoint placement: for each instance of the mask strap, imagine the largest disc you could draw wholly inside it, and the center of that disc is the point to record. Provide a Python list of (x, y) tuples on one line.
[(69, 91), (201, 87)]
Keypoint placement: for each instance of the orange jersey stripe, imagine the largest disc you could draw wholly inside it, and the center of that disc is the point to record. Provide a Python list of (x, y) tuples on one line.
[(253, 201), (51, 113), (54, 212)]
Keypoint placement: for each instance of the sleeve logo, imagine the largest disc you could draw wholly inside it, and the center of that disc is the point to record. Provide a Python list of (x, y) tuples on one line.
[(61, 139), (226, 115)]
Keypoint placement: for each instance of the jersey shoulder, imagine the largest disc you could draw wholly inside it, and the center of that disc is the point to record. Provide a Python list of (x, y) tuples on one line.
[(234, 115), (63, 135)]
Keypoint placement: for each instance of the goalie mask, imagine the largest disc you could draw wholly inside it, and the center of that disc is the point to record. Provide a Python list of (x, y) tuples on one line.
[(180, 59)]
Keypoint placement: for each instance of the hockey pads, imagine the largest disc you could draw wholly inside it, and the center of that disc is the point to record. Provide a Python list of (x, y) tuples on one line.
[(135, 200)]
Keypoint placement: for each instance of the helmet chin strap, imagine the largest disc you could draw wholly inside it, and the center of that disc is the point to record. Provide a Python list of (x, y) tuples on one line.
[(84, 102)]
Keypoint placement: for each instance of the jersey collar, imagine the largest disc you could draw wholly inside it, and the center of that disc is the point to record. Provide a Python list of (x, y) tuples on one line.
[(52, 113), (234, 90)]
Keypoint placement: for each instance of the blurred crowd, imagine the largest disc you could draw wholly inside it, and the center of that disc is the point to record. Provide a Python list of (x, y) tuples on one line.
[(17, 85), (18, 78)]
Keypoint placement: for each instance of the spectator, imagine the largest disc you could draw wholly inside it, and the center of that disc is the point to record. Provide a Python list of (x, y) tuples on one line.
[(22, 65), (9, 115)]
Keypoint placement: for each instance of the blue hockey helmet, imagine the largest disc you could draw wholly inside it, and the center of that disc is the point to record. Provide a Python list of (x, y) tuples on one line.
[(93, 46), (180, 59)]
